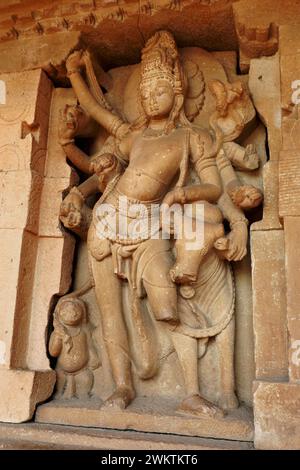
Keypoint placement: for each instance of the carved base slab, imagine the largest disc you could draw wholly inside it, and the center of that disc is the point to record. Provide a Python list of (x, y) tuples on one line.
[(34, 436), (147, 415)]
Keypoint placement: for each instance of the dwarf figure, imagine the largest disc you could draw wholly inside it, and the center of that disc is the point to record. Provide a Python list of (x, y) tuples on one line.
[(71, 342)]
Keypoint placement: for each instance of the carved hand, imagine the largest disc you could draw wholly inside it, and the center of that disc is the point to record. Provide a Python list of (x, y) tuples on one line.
[(177, 195), (68, 124), (75, 61), (70, 210), (103, 164), (237, 242), (58, 329), (246, 196)]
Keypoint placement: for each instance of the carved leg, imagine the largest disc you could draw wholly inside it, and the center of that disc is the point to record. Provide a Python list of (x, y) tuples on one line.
[(70, 390), (84, 383), (161, 292), (187, 351), (225, 344), (60, 383), (108, 294)]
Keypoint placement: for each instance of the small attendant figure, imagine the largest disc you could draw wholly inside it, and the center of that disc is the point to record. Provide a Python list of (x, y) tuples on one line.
[(71, 342)]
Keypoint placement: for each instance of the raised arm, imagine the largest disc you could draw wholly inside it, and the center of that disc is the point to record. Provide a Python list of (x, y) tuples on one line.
[(78, 158), (55, 344), (112, 123), (204, 161)]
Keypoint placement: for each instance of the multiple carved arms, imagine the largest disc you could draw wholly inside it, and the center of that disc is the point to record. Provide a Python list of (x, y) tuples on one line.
[(214, 171), (108, 120)]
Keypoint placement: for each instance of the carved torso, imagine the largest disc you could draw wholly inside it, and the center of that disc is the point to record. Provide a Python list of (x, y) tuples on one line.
[(77, 357), (154, 162)]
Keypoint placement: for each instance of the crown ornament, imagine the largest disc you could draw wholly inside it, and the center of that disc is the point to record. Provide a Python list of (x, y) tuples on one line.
[(160, 60)]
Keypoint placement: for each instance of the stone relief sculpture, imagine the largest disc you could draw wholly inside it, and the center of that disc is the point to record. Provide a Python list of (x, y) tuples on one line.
[(71, 342), (153, 294)]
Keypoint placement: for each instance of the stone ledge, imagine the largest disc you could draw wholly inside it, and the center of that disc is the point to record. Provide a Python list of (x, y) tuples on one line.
[(33, 436), (277, 415), (21, 391), (147, 415)]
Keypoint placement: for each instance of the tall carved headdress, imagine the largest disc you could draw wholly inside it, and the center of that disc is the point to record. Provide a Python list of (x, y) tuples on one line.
[(160, 60)]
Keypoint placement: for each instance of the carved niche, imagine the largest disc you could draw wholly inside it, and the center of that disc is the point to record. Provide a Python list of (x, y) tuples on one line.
[(154, 329)]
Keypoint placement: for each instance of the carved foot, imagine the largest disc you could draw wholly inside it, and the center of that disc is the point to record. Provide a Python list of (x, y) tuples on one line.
[(228, 401), (58, 395), (195, 405), (120, 399)]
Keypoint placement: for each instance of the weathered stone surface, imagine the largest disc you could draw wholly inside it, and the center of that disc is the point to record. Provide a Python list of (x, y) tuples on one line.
[(289, 37), (269, 303), (277, 415), (291, 130), (289, 183), (11, 250), (51, 199), (264, 85), (289, 58), (20, 392), (18, 56), (146, 415), (111, 27), (257, 25), (290, 73), (270, 220), (22, 156), (37, 256), (56, 165), (19, 150), (291, 231), (15, 199), (21, 314), (23, 139), (244, 339), (53, 271), (209, 23), (42, 436), (290, 69), (20, 196)]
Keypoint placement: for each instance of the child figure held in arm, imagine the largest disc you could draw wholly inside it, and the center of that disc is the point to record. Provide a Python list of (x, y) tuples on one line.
[(71, 342), (234, 110)]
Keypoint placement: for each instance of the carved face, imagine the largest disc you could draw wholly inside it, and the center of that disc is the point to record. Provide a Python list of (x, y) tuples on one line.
[(70, 314), (75, 117), (157, 98), (248, 197)]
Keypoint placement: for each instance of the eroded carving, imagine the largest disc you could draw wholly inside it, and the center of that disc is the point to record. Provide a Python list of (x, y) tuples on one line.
[(71, 342), (148, 286)]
